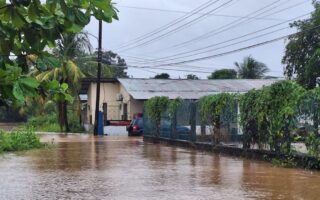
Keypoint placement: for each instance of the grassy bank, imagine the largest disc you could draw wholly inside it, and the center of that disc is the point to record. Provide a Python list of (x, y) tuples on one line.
[(48, 123), (19, 140)]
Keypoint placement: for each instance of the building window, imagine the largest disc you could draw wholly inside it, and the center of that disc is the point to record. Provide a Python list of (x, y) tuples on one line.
[(125, 112)]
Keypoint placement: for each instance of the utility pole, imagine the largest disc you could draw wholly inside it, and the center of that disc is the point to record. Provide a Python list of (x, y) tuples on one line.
[(96, 119)]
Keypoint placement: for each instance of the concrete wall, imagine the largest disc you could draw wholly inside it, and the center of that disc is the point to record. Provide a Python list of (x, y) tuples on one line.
[(134, 106), (108, 94)]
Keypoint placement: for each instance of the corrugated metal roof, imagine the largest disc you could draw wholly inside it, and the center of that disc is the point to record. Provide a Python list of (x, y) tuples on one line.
[(142, 89)]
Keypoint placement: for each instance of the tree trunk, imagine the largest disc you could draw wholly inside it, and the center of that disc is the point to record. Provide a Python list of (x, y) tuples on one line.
[(66, 124), (217, 133), (63, 116), (60, 115)]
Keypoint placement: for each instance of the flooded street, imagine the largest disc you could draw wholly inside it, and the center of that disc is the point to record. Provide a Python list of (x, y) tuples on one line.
[(118, 167)]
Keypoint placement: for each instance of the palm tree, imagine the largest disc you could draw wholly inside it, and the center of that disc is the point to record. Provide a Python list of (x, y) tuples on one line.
[(251, 68), (113, 66), (69, 48)]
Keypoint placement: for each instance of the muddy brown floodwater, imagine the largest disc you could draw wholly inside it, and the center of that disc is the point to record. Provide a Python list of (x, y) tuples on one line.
[(87, 167)]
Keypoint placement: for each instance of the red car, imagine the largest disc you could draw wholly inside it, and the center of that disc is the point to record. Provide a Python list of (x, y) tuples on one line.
[(136, 125)]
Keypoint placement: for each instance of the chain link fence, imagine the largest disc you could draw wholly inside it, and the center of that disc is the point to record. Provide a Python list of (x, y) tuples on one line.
[(187, 124)]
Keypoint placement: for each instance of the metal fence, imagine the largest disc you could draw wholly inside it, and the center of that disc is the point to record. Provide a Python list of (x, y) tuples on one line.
[(186, 124)]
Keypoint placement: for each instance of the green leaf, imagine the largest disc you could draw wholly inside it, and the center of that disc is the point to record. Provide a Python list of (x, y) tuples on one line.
[(64, 86), (54, 84), (82, 18), (2, 2), (30, 82), (74, 28), (33, 12), (17, 92), (102, 5), (53, 62), (17, 19), (68, 98)]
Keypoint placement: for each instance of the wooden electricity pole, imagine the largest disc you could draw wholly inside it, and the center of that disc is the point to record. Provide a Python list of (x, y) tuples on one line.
[(96, 119)]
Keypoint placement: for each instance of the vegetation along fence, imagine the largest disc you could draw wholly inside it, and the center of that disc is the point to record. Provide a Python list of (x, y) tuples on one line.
[(282, 118)]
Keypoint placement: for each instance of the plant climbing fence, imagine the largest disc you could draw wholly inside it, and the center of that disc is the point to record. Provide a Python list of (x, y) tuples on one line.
[(283, 118)]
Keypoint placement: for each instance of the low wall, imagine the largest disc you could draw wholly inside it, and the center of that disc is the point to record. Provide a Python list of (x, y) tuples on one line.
[(303, 161)]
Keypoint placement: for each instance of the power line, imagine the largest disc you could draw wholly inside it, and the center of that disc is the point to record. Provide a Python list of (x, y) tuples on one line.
[(183, 26), (167, 26), (179, 70), (142, 69), (140, 60), (234, 51), (185, 12), (176, 56), (185, 66), (178, 28), (235, 23), (170, 69)]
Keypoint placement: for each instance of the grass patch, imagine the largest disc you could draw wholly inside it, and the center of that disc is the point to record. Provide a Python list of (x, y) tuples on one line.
[(19, 140), (48, 123), (287, 162)]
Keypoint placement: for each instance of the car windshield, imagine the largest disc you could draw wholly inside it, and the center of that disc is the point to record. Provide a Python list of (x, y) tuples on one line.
[(138, 121)]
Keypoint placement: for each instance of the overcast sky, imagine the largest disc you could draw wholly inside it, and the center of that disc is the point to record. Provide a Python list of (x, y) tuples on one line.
[(228, 20)]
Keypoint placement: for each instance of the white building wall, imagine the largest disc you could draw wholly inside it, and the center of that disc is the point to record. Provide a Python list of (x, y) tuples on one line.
[(109, 92)]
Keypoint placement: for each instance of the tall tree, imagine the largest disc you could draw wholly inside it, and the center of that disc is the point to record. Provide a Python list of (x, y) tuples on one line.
[(113, 66), (223, 74), (162, 76), (28, 29), (69, 48), (251, 68), (192, 77), (302, 55)]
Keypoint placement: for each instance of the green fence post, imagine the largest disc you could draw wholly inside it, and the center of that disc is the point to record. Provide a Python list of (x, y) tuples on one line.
[(173, 134), (193, 112)]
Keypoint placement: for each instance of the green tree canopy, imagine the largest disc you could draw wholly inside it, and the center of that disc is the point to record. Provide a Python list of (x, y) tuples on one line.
[(251, 68), (223, 74), (162, 76), (70, 47), (192, 77), (113, 66), (302, 56), (28, 29)]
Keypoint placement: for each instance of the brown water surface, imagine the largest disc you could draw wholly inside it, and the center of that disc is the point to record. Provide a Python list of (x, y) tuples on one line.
[(87, 167)]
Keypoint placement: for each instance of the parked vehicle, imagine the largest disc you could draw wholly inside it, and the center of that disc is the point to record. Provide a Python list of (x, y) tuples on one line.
[(165, 129), (136, 127)]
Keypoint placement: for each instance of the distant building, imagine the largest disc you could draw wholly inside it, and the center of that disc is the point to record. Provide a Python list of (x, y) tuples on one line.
[(120, 99)]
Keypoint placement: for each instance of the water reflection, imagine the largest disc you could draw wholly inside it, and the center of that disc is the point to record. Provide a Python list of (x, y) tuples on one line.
[(87, 167)]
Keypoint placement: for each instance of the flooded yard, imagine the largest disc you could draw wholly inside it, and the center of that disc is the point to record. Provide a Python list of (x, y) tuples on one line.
[(118, 167)]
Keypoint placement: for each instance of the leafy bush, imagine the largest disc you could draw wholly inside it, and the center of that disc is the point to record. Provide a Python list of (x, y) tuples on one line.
[(271, 114), (49, 123), (156, 107), (312, 143), (19, 140), (216, 110)]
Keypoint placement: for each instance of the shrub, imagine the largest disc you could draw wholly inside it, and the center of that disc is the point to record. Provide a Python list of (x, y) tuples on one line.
[(155, 108), (49, 123), (19, 140), (218, 110), (270, 115)]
